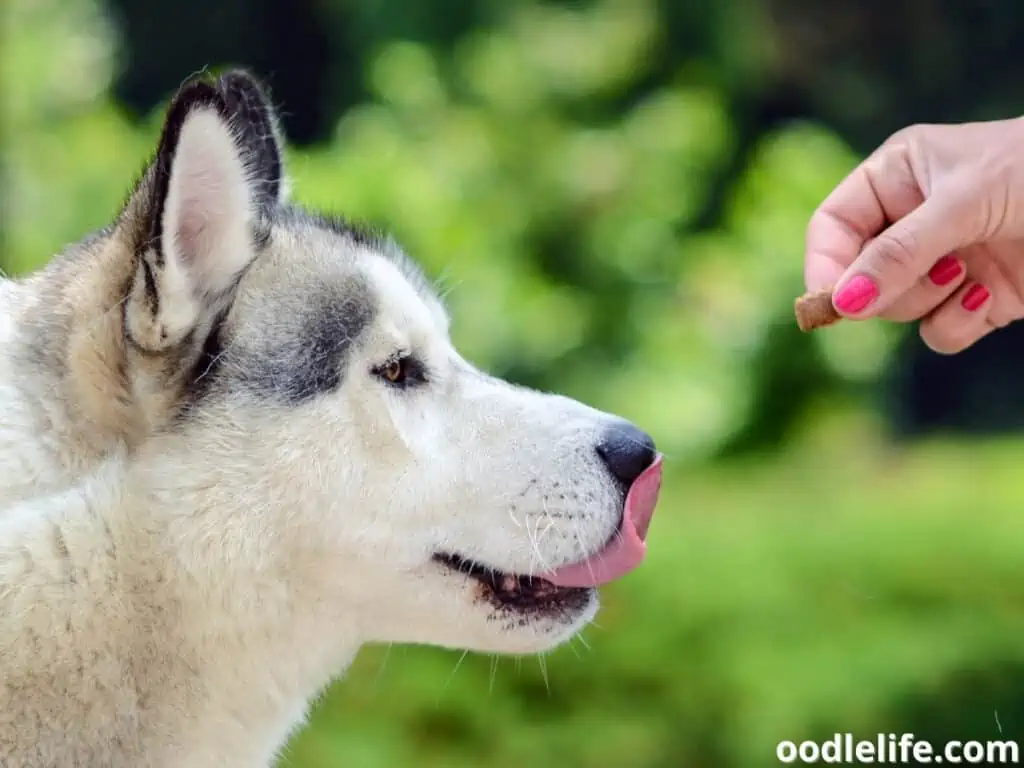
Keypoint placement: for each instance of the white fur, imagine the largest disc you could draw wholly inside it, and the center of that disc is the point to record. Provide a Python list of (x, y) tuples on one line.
[(32, 459), (176, 596)]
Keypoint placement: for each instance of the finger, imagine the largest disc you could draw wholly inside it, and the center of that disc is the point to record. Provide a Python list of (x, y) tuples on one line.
[(880, 190), (895, 260), (945, 276), (960, 322)]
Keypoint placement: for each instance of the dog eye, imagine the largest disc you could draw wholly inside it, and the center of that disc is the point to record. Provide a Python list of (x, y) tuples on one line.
[(401, 371), (395, 371)]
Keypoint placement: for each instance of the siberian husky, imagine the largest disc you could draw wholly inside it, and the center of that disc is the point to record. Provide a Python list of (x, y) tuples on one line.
[(236, 444)]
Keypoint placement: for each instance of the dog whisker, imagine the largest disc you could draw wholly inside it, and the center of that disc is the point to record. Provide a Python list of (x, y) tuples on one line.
[(451, 677), (493, 673), (381, 666), (542, 661)]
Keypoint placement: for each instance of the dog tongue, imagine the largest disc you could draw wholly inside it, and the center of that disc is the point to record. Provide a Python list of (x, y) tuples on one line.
[(628, 548)]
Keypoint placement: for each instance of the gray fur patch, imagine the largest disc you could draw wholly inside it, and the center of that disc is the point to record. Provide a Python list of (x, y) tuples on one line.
[(304, 355)]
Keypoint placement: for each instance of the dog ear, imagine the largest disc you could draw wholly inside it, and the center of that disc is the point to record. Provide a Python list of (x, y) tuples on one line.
[(205, 200)]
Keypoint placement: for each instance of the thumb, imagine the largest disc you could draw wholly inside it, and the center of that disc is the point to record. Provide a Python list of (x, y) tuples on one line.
[(894, 261)]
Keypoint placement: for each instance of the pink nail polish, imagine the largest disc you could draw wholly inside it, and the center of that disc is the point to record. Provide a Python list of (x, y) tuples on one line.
[(976, 295), (945, 270), (856, 295)]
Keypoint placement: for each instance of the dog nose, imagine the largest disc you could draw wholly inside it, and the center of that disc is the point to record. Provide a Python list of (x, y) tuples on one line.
[(626, 450)]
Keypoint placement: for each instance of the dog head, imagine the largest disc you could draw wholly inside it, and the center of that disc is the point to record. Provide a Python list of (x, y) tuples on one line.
[(313, 391)]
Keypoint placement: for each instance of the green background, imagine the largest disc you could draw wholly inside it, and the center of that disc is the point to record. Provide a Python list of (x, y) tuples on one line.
[(613, 196)]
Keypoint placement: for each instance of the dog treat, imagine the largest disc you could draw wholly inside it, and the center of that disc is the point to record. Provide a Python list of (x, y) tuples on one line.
[(815, 310)]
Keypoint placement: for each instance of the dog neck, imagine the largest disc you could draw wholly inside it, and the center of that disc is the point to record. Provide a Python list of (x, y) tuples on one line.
[(258, 607), (201, 631)]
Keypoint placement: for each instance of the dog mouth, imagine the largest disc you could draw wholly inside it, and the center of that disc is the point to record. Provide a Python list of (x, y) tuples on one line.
[(573, 583), (627, 548), (510, 590)]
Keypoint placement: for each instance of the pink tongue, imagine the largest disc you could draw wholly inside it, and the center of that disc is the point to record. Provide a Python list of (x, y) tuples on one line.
[(628, 548)]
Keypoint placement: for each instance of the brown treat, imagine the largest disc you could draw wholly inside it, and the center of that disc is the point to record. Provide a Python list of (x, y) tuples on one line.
[(815, 310)]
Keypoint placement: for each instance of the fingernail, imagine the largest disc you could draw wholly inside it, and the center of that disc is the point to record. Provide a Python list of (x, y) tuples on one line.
[(945, 270), (856, 295), (976, 295)]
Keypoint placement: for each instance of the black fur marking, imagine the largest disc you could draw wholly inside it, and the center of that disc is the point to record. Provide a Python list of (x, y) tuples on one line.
[(303, 359), (359, 233), (309, 360), (152, 295), (196, 95), (257, 130), (240, 102), (207, 365), (518, 595)]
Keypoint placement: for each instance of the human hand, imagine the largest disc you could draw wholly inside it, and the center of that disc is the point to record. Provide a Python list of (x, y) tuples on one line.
[(930, 227)]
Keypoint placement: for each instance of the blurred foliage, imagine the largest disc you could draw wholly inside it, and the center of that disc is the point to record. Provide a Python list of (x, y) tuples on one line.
[(607, 220), (567, 239)]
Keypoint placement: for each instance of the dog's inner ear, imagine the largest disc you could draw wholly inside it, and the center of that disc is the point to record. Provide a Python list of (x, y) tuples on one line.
[(216, 176)]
